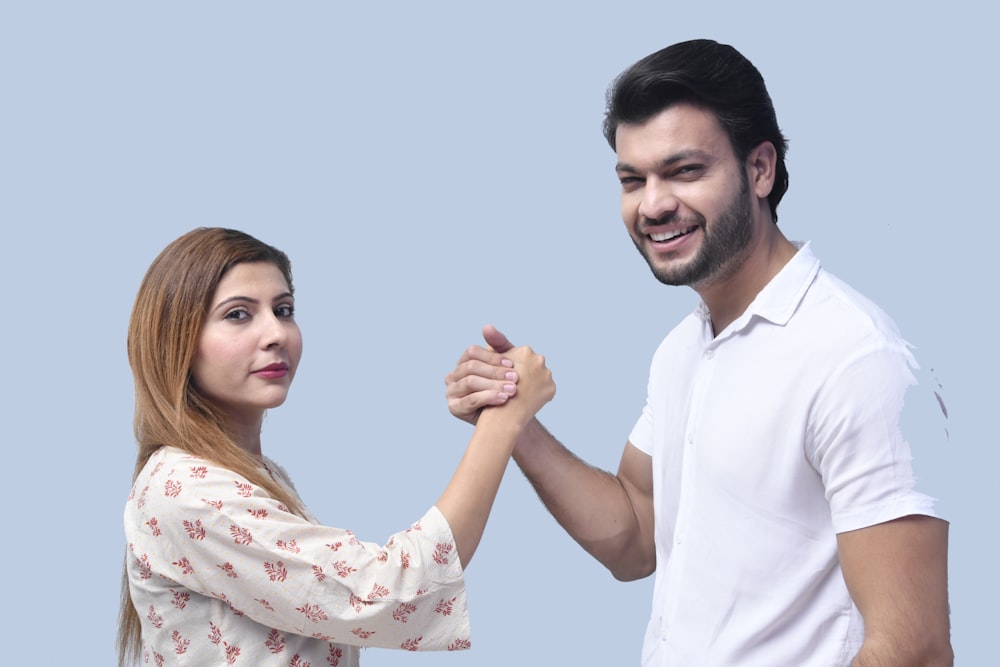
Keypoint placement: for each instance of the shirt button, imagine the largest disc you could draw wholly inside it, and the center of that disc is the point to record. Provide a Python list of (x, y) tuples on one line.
[(709, 354)]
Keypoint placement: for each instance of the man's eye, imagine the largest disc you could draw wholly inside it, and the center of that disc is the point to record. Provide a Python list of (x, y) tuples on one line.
[(688, 170)]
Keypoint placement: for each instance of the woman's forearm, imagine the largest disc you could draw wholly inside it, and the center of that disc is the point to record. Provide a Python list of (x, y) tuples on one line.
[(468, 498)]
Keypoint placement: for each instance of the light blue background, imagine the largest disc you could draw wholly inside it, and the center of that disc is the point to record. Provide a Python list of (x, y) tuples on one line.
[(432, 167)]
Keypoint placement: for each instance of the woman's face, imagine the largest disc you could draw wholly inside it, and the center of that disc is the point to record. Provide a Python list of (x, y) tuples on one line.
[(250, 345)]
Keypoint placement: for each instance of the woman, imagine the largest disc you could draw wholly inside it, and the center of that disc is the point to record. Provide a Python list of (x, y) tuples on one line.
[(224, 563)]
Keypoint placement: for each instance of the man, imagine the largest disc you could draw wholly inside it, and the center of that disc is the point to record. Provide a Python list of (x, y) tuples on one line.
[(766, 482)]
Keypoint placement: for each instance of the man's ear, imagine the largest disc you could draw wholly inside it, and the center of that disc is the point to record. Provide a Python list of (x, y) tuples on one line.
[(761, 164)]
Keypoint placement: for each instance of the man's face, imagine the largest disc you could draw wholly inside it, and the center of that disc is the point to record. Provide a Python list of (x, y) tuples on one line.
[(685, 198)]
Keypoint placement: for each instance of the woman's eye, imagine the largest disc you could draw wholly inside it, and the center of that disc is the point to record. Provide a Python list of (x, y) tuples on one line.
[(237, 314), (285, 311)]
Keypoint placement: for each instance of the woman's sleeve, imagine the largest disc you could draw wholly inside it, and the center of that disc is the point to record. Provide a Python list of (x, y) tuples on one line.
[(214, 533)]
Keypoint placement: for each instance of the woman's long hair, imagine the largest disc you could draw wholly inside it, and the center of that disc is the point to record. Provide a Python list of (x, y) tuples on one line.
[(163, 333)]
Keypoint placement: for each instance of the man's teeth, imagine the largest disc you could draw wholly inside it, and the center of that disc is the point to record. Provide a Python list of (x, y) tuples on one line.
[(666, 236)]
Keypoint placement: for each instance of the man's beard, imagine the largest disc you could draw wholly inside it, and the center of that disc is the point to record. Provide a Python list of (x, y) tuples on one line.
[(722, 249)]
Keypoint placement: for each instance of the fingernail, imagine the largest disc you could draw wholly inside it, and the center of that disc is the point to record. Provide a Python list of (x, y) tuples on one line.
[(507, 362), (502, 396), (512, 376), (509, 388)]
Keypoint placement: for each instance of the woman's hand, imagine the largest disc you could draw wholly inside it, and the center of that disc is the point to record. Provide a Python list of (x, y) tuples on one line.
[(535, 384), (483, 377)]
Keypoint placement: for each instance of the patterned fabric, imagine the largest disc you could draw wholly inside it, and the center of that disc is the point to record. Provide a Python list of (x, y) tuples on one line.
[(223, 574)]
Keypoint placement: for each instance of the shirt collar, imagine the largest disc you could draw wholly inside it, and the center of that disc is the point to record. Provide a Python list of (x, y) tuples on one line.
[(781, 296)]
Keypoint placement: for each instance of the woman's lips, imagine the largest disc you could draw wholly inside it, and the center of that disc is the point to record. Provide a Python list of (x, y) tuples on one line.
[(272, 371)]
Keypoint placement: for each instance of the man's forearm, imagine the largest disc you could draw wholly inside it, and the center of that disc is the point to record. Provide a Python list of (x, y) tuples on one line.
[(591, 504), (874, 655)]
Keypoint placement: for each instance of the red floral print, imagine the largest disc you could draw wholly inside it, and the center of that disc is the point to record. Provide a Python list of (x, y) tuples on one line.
[(411, 644), (185, 565), (222, 596), (241, 535), (336, 653), (154, 618), (312, 612), (445, 607), (288, 546), (402, 612), (194, 529), (441, 552), (145, 571), (232, 652), (211, 543), (142, 498), (276, 571), (227, 567), (180, 644), (378, 591), (358, 603), (275, 642), (343, 569)]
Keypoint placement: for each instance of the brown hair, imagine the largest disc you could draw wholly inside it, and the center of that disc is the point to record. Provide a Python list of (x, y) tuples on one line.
[(163, 334)]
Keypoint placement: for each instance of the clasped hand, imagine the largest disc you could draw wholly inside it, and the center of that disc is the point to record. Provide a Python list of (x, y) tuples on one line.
[(493, 375)]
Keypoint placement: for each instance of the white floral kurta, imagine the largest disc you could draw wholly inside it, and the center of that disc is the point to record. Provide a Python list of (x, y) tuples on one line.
[(223, 574)]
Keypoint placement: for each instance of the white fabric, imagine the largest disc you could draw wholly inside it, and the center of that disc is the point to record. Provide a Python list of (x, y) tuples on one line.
[(223, 574), (766, 441)]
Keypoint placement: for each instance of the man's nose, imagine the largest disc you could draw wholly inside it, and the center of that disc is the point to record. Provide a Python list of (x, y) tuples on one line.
[(658, 199)]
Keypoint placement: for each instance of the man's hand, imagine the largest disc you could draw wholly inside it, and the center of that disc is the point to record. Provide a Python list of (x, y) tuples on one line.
[(482, 377)]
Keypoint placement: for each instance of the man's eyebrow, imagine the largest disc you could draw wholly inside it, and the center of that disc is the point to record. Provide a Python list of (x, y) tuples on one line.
[(667, 161)]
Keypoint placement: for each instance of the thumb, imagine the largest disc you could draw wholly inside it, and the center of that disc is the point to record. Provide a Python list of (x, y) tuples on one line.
[(496, 340)]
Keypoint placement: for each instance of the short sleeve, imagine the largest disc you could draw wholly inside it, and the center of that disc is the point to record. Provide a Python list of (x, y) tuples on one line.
[(857, 444)]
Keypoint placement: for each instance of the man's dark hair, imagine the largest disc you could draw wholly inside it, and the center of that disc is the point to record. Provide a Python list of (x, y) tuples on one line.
[(710, 75)]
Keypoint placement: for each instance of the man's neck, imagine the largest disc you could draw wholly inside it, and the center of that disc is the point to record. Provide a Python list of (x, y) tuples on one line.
[(729, 297)]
